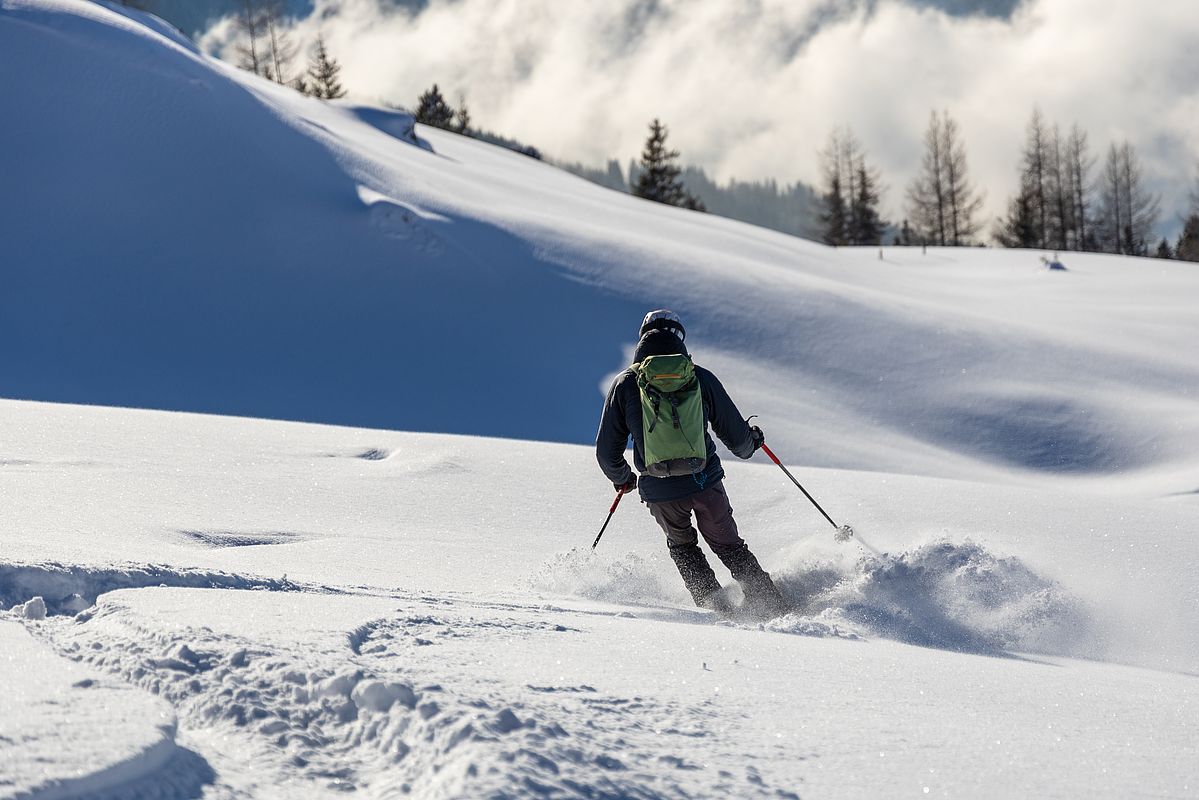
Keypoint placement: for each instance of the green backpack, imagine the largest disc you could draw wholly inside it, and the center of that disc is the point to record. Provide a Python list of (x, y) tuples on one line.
[(672, 416)]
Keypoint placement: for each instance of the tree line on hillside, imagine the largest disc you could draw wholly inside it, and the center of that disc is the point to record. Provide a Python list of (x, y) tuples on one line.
[(789, 208), (266, 48), (1062, 203)]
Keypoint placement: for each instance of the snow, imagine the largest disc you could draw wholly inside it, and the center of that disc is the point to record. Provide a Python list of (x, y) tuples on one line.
[(306, 260), (71, 732), (379, 610), (399, 602)]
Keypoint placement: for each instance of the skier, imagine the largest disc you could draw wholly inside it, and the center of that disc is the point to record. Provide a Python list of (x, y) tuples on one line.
[(666, 404)]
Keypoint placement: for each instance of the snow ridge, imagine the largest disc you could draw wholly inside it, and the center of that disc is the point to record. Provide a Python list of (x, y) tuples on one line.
[(69, 589)]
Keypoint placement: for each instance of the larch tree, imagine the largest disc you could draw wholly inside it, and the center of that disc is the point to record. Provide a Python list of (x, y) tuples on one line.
[(1144, 208), (1035, 175), (1128, 211), (1052, 204), (965, 201), (943, 204), (1061, 209), (1080, 163), (926, 194), (280, 49), (251, 26), (462, 116)]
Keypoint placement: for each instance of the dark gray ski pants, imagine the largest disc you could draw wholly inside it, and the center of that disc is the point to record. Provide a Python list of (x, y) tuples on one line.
[(713, 514)]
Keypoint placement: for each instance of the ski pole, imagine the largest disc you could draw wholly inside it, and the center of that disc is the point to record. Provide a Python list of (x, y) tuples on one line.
[(843, 531), (611, 511)]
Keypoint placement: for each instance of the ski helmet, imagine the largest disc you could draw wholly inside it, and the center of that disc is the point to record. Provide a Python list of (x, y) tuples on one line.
[(663, 320)]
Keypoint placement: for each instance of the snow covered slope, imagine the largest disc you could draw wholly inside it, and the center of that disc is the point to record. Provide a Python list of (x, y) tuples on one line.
[(179, 234), (333, 608), (275, 609)]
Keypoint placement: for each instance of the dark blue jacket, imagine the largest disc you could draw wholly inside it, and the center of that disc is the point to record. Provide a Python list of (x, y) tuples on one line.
[(622, 418)]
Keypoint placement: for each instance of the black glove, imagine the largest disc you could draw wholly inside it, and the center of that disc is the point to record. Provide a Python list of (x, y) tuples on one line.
[(756, 435), (627, 486)]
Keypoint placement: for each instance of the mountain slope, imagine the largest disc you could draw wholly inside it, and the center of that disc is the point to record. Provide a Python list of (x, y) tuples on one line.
[(272, 609), (183, 235)]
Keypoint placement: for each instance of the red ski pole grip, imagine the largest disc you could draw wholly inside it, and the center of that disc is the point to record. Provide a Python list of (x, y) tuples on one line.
[(766, 449)]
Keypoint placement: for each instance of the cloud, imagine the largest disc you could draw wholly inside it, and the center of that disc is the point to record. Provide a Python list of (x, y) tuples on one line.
[(751, 89)]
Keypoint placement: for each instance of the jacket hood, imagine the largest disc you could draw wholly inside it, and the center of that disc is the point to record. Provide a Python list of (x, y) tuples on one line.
[(659, 343)]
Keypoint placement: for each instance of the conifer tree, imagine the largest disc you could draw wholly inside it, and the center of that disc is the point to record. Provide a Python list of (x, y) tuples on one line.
[(432, 109), (1188, 241), (1187, 248), (1163, 250), (323, 70), (658, 172), (849, 201), (1019, 227), (1195, 192), (834, 213), (868, 224)]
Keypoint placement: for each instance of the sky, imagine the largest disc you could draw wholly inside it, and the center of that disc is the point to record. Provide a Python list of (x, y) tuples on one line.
[(753, 88)]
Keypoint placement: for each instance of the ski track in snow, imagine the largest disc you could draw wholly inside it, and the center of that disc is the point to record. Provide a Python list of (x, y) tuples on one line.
[(365, 710), (395, 704)]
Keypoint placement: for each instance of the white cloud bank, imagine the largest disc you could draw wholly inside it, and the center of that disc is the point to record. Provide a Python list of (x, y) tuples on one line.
[(751, 89)]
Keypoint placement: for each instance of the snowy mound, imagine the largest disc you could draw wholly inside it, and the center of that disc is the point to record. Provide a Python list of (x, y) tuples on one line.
[(51, 731), (233, 247)]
